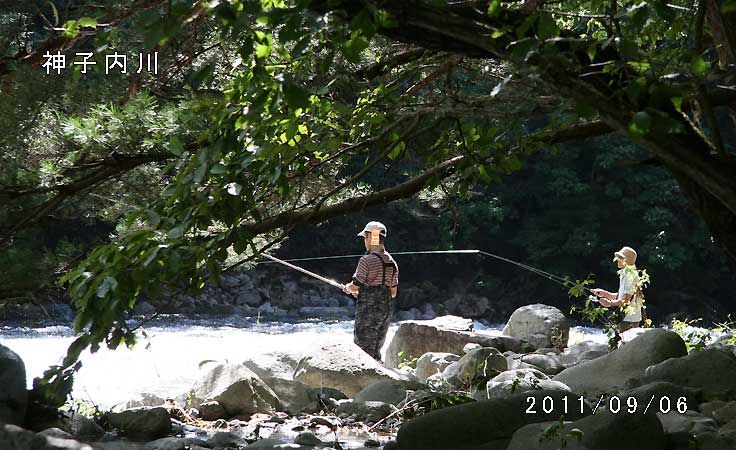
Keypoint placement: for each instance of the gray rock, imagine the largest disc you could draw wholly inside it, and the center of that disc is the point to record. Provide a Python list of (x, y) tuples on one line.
[(517, 381), (294, 396), (82, 426), (144, 423), (549, 363), (308, 439), (343, 366), (486, 425), (581, 352), (387, 391), (14, 399), (475, 368), (145, 399), (364, 411), (249, 298), (114, 445), (144, 309), (56, 433), (276, 444), (602, 431), (540, 325), (275, 364), (237, 389), (226, 439), (688, 422), (618, 368), (446, 334), (726, 413), (433, 362), (212, 410), (174, 443), (707, 409), (661, 389), (13, 437), (470, 347), (704, 370)]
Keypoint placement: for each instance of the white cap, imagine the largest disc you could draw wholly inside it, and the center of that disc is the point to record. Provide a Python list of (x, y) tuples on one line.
[(373, 226)]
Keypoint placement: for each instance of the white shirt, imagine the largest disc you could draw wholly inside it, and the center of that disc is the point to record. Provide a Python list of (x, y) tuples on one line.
[(628, 281)]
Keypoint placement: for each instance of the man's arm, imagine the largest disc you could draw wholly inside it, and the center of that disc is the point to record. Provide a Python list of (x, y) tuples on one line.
[(621, 301), (352, 289)]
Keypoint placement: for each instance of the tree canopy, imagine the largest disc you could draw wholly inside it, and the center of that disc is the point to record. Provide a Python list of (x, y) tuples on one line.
[(264, 115)]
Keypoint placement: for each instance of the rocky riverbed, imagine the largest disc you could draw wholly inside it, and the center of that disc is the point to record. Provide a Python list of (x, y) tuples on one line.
[(444, 385)]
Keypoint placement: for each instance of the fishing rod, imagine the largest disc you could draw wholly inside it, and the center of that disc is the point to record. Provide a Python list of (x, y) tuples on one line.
[(552, 277), (306, 272)]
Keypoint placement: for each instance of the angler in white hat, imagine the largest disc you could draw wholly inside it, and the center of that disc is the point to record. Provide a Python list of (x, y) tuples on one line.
[(374, 284), (629, 294)]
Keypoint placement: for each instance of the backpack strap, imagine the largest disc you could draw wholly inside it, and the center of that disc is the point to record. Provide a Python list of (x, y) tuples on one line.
[(384, 266)]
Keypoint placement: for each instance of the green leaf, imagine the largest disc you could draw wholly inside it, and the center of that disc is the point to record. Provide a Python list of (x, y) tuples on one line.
[(263, 51), (547, 27), (592, 51), (698, 66), (296, 96), (175, 146), (71, 29), (677, 101), (494, 8), (176, 232), (87, 22), (728, 6), (396, 151), (218, 169), (353, 48)]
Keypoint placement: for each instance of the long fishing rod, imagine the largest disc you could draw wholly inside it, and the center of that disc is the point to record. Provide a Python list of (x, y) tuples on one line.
[(552, 277), (306, 272)]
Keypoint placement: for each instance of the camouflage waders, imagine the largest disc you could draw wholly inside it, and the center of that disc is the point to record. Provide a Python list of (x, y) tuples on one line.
[(373, 316)]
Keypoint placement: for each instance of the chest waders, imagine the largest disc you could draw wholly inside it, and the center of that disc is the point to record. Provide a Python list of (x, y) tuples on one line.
[(373, 314)]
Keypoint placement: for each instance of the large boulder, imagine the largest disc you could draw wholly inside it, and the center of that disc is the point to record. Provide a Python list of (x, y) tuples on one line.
[(343, 366), (709, 370), (432, 363), (484, 425), (549, 363), (475, 368), (447, 334), (517, 381), (623, 365), (370, 411), (13, 437), (13, 397), (237, 389), (543, 326), (602, 431), (142, 423), (294, 396), (388, 391), (664, 389), (582, 351), (275, 364)]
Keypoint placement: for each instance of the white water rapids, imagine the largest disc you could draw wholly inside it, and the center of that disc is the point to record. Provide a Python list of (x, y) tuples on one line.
[(177, 346)]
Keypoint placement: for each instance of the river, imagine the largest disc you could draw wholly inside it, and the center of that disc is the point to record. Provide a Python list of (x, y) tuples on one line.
[(167, 362)]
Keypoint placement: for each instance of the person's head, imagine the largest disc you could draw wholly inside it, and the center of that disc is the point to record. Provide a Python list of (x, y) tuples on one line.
[(625, 256), (374, 233)]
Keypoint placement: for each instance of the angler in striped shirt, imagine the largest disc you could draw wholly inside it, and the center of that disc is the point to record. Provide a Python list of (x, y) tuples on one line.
[(374, 284)]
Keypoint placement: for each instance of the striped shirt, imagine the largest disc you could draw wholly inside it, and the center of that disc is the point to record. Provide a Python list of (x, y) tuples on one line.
[(370, 270)]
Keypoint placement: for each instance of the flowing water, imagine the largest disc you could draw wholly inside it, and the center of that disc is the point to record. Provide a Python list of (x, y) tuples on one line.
[(167, 362)]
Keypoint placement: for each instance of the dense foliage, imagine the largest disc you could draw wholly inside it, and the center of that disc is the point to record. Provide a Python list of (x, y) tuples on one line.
[(267, 115)]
